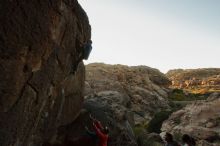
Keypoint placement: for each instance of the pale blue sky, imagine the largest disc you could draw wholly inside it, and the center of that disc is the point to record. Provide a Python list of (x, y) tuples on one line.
[(164, 34)]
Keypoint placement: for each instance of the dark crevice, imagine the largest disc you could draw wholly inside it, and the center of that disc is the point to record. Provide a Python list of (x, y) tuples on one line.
[(57, 11), (52, 83), (59, 62), (66, 2), (25, 68), (17, 1), (79, 25), (4, 31), (23, 11), (35, 90), (21, 93), (1, 39), (51, 3), (75, 65), (64, 32), (29, 48), (40, 4), (54, 8)]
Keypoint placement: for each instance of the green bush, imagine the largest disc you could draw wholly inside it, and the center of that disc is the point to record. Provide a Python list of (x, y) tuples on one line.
[(151, 143), (175, 106), (180, 91), (155, 124), (138, 130), (179, 95)]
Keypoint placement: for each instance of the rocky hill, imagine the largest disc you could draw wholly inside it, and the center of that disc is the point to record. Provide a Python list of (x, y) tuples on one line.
[(196, 80), (142, 86)]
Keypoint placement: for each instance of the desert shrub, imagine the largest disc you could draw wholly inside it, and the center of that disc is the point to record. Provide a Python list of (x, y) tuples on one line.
[(180, 91), (151, 143), (138, 130), (155, 124), (175, 106), (179, 95)]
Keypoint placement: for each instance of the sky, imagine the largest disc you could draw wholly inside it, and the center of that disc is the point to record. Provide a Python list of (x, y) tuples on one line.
[(163, 34)]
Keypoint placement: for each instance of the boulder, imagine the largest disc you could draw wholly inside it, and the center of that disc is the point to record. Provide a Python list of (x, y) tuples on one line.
[(200, 120), (42, 74)]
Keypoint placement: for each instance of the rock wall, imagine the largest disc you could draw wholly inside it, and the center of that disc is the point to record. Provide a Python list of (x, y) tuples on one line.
[(42, 74)]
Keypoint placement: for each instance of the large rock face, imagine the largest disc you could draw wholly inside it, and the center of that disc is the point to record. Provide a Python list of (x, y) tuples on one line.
[(200, 120), (42, 76), (196, 80)]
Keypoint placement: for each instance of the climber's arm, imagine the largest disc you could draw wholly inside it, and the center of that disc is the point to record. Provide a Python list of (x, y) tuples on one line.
[(98, 131)]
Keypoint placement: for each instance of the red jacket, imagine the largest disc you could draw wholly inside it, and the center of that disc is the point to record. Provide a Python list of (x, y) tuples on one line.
[(103, 138)]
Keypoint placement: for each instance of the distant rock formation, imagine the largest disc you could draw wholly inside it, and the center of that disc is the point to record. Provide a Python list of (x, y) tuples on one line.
[(196, 80), (200, 119), (42, 76), (144, 89)]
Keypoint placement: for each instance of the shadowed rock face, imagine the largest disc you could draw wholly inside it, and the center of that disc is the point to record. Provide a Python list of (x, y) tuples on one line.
[(42, 76)]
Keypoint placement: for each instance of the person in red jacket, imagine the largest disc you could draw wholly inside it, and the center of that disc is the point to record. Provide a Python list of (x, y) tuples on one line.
[(101, 132)]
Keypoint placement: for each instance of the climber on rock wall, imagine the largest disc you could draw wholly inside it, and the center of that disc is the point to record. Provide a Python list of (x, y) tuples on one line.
[(87, 48), (100, 131)]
